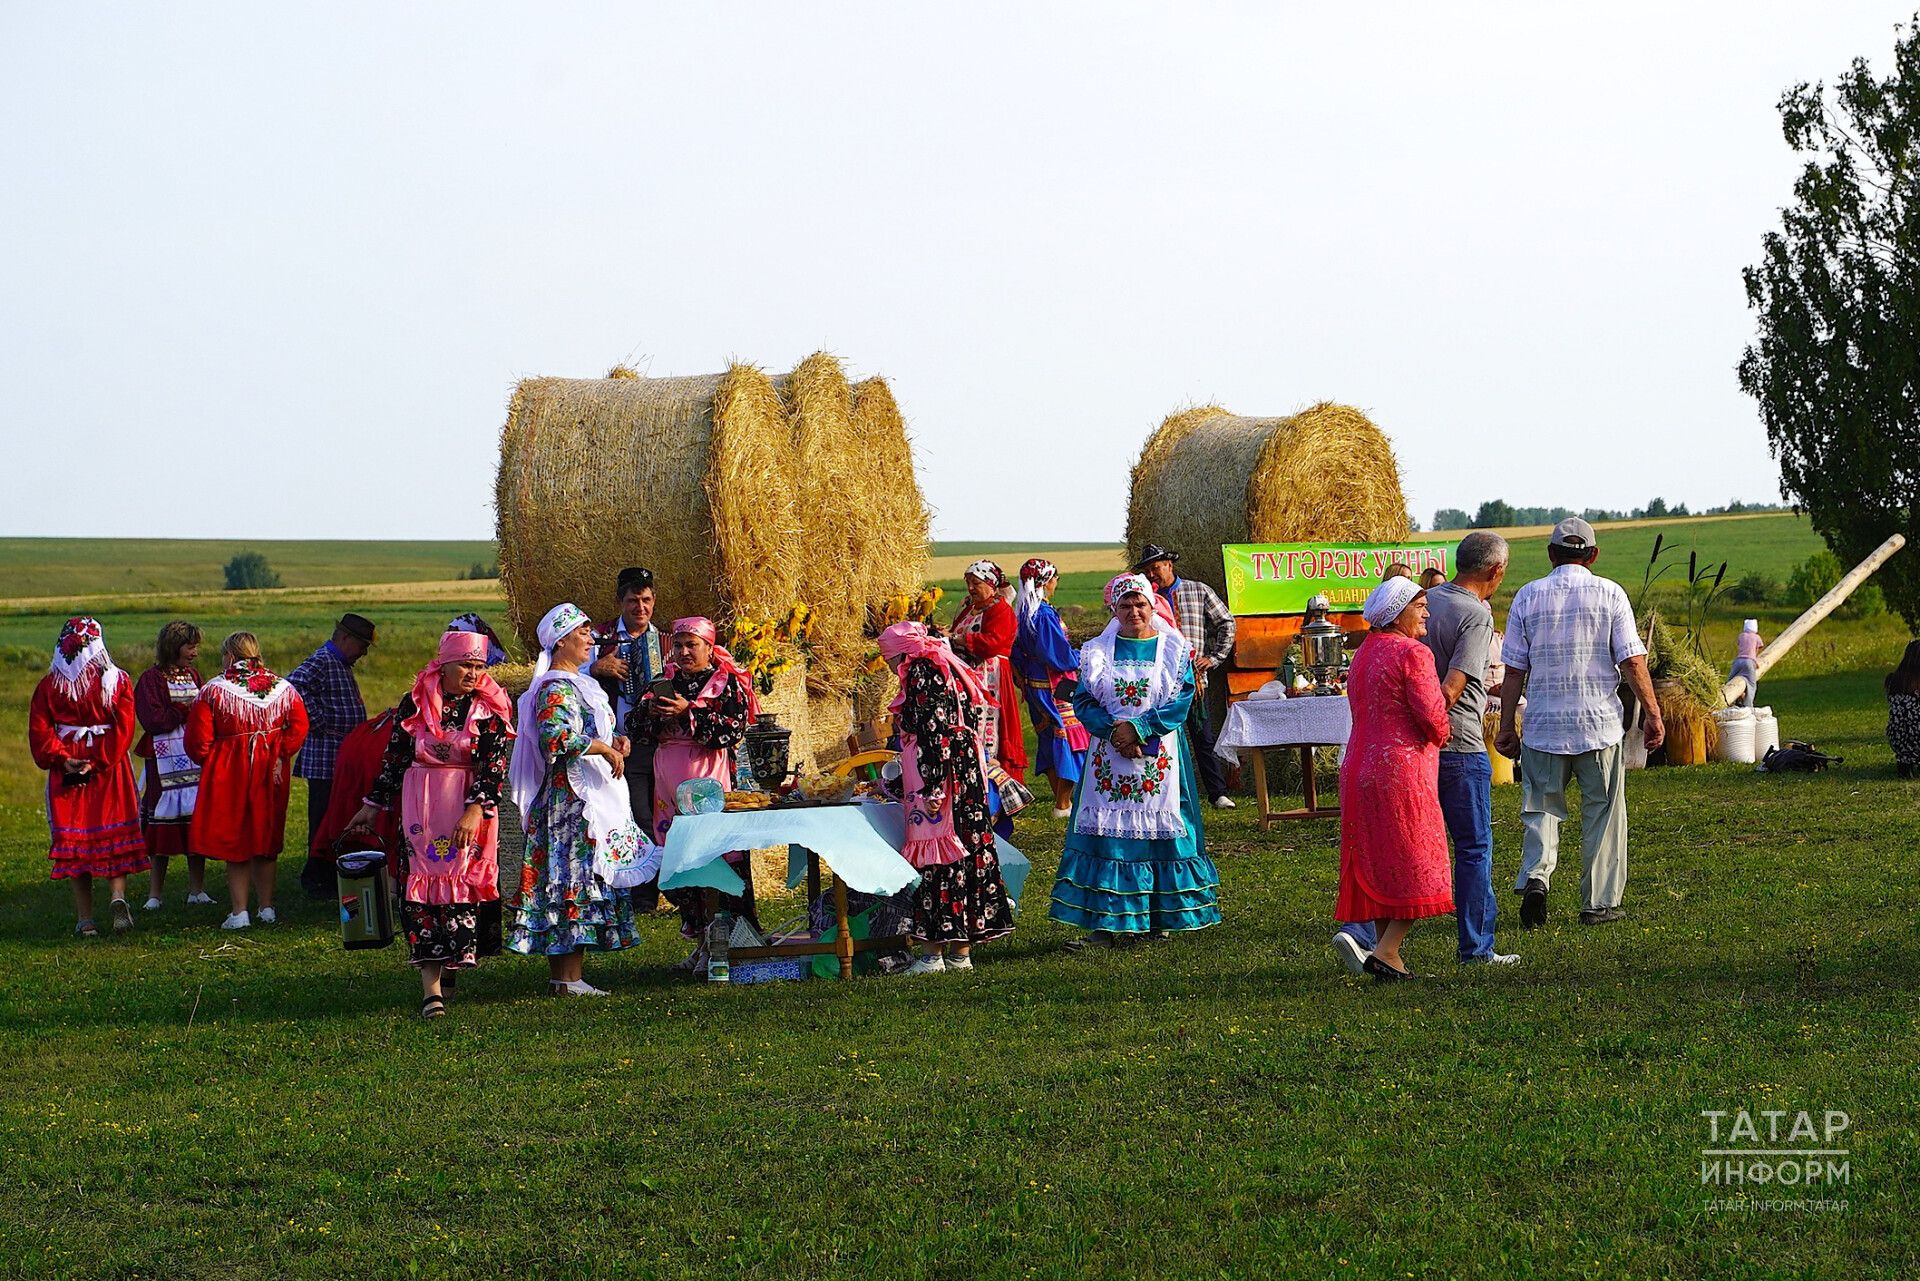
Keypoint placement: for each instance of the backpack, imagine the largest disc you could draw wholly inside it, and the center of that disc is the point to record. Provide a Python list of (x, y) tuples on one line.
[(1796, 757)]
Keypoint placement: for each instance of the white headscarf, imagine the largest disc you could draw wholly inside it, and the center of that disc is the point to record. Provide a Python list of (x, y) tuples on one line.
[(1385, 602), (529, 766)]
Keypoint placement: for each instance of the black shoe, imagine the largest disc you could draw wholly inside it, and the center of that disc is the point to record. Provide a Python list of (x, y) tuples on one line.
[(318, 880), (1602, 915), (1533, 904), (1384, 973)]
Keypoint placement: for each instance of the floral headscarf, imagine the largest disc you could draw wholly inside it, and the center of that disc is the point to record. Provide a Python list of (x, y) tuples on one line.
[(80, 658), (1124, 584), (252, 676), (988, 572), (1034, 576)]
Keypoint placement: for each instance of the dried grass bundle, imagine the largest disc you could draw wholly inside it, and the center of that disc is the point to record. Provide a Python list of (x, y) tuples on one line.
[(834, 523), (894, 551), (691, 476), (1326, 474)]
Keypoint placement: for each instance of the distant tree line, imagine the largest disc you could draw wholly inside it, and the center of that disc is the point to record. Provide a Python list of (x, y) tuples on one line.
[(1498, 513)]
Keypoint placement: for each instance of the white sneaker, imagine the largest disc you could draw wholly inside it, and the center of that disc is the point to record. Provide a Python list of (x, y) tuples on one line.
[(1224, 803), (929, 965), (200, 898), (959, 963), (1352, 955), (237, 921), (267, 916), (152, 905), (1494, 958), (1064, 813), (576, 987)]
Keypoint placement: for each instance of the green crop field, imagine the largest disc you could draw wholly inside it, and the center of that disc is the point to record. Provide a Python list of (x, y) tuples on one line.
[(185, 1103), (33, 567)]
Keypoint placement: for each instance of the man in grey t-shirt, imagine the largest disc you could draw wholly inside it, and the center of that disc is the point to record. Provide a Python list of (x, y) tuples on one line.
[(1460, 634)]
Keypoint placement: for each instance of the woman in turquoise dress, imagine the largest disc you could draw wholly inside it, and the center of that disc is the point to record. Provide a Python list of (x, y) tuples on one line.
[(568, 777), (1135, 861)]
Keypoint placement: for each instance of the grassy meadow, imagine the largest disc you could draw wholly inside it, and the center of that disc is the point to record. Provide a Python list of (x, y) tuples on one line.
[(186, 1103)]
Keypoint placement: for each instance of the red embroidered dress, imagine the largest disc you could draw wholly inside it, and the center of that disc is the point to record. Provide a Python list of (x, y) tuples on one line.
[(244, 731), (1393, 841), (86, 713), (985, 637)]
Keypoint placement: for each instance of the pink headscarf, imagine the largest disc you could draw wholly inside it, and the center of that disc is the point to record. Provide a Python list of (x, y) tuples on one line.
[(429, 700), (723, 664), (908, 641)]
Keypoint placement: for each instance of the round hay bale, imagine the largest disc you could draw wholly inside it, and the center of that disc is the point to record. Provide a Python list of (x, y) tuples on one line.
[(893, 554), (1208, 478), (828, 495), (690, 476)]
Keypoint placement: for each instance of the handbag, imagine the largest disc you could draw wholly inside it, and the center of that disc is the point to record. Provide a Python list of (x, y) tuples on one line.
[(1014, 795)]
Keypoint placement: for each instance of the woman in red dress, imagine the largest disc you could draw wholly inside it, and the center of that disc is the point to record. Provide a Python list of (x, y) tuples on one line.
[(983, 634), (162, 697), (244, 733), (1394, 865), (79, 728)]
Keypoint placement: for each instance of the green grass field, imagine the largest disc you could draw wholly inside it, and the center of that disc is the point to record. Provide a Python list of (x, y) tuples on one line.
[(184, 1103), (33, 567)]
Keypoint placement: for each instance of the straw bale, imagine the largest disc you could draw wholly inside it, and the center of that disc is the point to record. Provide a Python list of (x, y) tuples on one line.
[(894, 554), (828, 493), (691, 476), (1208, 478)]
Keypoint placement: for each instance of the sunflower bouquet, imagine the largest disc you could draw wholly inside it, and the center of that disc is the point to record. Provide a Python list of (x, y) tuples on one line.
[(901, 607), (766, 649)]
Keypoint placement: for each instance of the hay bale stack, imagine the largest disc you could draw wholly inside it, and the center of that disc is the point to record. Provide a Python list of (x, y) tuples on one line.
[(894, 553), (692, 476), (830, 490), (1208, 478)]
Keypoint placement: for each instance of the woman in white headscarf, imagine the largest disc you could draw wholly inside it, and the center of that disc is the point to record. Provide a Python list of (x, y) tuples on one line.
[(1135, 862), (584, 851), (1394, 864)]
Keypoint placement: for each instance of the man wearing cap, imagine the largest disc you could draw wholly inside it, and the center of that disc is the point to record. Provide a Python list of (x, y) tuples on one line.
[(326, 685), (629, 654), (1571, 639), (1203, 619)]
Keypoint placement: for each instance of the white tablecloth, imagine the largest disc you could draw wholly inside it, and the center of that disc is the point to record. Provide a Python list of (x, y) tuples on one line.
[(1314, 720)]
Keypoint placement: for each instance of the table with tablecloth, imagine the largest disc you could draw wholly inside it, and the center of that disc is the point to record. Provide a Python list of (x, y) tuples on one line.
[(859, 844), (1256, 723)]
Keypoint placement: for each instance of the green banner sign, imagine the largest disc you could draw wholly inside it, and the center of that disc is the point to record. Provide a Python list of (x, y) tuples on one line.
[(1280, 578)]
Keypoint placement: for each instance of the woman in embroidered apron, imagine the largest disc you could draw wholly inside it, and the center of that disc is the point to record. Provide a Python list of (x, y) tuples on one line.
[(446, 761), (1043, 661), (961, 899), (983, 634), (584, 853), (243, 733), (692, 732), (1135, 861), (79, 727), (162, 697)]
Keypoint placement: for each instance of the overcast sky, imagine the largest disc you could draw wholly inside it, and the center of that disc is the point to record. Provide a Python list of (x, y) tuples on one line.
[(272, 270)]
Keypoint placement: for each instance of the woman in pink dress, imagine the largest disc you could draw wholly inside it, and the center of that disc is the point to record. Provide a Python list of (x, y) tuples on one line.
[(446, 762), (1394, 865)]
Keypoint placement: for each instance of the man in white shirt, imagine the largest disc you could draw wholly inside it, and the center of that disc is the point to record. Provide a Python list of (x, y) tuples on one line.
[(1570, 640)]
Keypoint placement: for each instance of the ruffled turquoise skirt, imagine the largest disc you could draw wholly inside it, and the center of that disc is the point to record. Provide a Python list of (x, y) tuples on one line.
[(1131, 886)]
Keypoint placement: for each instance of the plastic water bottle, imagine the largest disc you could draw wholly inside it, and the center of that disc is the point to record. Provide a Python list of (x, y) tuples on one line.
[(743, 779), (719, 935)]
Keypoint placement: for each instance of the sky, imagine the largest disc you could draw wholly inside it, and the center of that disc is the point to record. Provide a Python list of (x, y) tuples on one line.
[(272, 271)]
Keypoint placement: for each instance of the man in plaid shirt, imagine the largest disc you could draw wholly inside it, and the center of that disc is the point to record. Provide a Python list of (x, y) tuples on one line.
[(1208, 626), (334, 707)]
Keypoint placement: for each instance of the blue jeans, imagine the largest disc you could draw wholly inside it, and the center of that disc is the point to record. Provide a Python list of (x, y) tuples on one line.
[(1466, 802)]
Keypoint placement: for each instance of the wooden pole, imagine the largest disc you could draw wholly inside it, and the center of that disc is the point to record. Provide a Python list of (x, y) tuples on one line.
[(1736, 689)]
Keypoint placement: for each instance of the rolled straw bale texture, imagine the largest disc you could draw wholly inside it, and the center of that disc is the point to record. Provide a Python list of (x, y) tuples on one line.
[(1208, 478), (894, 555), (690, 476), (829, 495)]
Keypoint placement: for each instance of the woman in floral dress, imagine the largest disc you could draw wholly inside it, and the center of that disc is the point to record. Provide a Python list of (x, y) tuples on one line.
[(446, 761), (1135, 862), (566, 760), (961, 899)]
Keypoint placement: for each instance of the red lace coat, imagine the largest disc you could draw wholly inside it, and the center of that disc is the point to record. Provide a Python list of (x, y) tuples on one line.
[(989, 646), (245, 752), (1394, 862)]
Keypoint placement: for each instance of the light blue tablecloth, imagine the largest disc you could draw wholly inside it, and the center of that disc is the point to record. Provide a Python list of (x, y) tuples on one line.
[(861, 843)]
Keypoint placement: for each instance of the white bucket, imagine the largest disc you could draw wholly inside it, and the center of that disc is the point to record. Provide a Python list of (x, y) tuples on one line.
[(1736, 735), (1766, 732)]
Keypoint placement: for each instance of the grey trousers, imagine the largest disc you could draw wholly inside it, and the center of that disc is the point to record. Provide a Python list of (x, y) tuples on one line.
[(1602, 776)]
